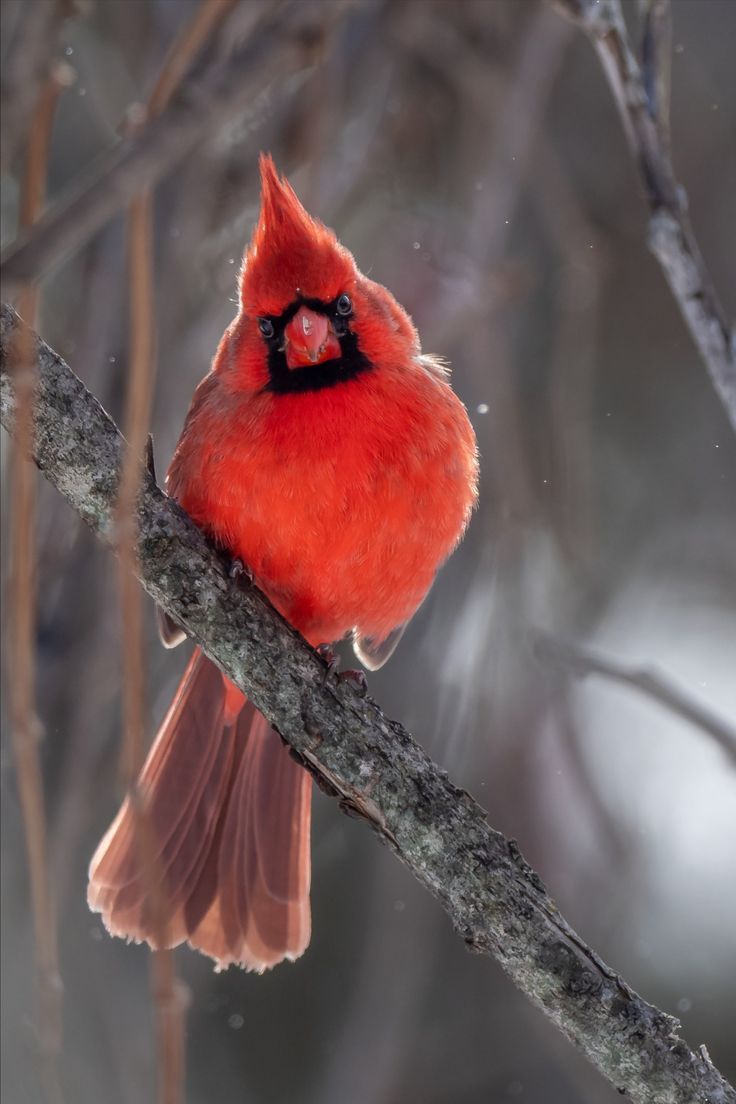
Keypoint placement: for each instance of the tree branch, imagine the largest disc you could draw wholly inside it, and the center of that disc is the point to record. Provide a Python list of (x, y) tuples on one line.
[(21, 665), (170, 994), (653, 684), (642, 97), (496, 902), (28, 56)]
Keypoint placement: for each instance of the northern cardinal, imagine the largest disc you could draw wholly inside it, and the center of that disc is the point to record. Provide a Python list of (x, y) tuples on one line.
[(331, 457)]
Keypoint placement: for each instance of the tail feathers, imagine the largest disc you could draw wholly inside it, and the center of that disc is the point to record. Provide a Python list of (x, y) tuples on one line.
[(264, 863), (228, 825)]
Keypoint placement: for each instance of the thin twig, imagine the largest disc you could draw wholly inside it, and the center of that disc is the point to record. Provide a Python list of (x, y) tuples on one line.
[(584, 661), (137, 418), (246, 85), (170, 995), (184, 50), (25, 724), (656, 62), (496, 902), (27, 56), (643, 106)]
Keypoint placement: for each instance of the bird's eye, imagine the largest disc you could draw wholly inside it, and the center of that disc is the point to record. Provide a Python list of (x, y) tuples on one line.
[(265, 325), (344, 305)]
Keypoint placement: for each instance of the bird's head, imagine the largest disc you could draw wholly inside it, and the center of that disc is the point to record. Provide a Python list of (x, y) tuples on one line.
[(309, 319)]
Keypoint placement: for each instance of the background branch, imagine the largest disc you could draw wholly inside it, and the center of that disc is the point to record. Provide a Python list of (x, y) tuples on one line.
[(243, 86), (171, 996), (642, 98), (653, 684), (25, 723), (30, 52), (495, 900)]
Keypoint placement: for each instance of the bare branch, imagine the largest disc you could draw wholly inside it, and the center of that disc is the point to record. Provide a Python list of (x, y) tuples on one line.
[(184, 50), (496, 902), (584, 661), (242, 86), (170, 994), (643, 102), (656, 62), (28, 55), (25, 724)]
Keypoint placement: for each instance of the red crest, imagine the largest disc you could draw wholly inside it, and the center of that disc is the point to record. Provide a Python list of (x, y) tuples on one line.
[(291, 254)]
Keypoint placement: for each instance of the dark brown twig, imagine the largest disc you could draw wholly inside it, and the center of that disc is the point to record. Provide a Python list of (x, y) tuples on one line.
[(642, 97), (137, 418), (584, 661), (170, 996), (496, 902), (184, 50), (25, 723), (26, 60)]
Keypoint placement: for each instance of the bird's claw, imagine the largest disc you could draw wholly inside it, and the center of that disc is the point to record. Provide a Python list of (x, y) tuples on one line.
[(238, 568), (326, 653), (356, 679)]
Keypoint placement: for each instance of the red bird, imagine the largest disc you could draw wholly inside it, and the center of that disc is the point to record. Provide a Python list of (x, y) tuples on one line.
[(326, 453)]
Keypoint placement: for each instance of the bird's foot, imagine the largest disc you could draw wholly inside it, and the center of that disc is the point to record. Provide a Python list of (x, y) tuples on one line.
[(331, 660), (237, 568), (356, 679)]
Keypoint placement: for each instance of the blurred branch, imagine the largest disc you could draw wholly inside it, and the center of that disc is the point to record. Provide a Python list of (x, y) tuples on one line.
[(584, 661), (170, 994), (25, 69), (656, 59), (615, 842), (184, 50), (642, 97), (25, 724), (497, 903), (244, 86)]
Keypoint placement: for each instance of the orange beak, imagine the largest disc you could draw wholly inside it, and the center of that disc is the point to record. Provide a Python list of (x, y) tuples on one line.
[(310, 339)]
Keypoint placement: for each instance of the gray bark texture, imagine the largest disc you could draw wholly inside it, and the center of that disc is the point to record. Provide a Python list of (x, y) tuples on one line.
[(641, 93), (496, 902)]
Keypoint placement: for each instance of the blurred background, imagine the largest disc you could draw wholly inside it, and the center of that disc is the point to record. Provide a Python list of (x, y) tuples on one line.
[(471, 157)]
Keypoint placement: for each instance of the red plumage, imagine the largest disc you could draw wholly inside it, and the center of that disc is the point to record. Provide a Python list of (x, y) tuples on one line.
[(332, 458)]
